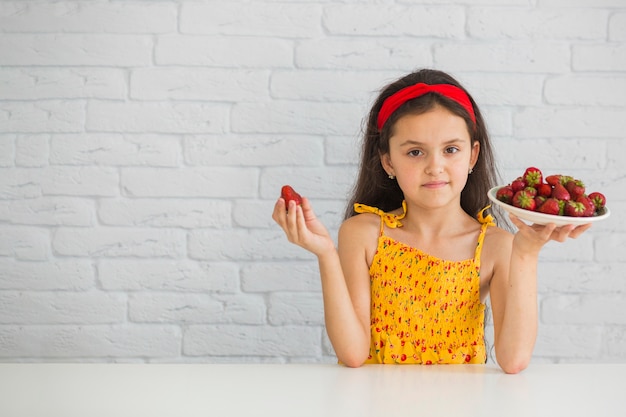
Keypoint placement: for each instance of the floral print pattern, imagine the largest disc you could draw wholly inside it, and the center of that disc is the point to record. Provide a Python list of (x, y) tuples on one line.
[(424, 310)]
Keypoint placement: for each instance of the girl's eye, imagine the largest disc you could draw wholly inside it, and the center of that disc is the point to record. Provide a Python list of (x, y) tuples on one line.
[(452, 149), (415, 152)]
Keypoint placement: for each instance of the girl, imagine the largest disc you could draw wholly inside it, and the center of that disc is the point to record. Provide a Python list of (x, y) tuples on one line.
[(416, 255)]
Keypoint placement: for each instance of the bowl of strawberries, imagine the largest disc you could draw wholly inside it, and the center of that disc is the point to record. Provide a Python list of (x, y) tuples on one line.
[(559, 199)]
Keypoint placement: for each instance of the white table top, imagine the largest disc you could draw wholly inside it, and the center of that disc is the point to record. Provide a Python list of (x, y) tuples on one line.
[(187, 390)]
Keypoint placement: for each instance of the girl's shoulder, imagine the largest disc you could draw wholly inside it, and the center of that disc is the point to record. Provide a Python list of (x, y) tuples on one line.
[(361, 224), (498, 242)]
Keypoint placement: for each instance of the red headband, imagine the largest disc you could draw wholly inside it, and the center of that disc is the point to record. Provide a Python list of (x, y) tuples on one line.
[(394, 101)]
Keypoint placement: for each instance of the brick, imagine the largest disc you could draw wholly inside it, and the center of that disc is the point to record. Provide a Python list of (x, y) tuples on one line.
[(331, 182), (81, 17), (242, 245), (218, 182), (568, 341), (168, 275), (253, 150), (617, 26), (584, 309), (569, 122), (148, 212), (72, 275), (32, 150), (296, 308), (283, 20), (28, 83), (603, 57), (198, 84), (537, 23), (580, 277), (363, 54), (555, 154), (342, 150), (61, 307), (196, 308), (16, 183), (118, 242), (75, 50), (280, 276), (162, 117), (493, 89), (223, 52), (89, 341), (224, 340), (49, 211), (7, 150), (115, 149), (615, 342), (372, 20), (287, 117), (611, 248), (25, 243), (328, 85), (80, 181), (583, 90), (42, 116), (514, 56)]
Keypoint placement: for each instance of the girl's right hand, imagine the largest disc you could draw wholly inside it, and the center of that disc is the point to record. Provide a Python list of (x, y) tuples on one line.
[(302, 226)]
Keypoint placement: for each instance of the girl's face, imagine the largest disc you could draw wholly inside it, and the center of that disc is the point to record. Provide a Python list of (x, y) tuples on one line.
[(430, 155)]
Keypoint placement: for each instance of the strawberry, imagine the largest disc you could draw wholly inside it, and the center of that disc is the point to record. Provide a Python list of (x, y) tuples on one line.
[(553, 179), (598, 199), (550, 206), (518, 185), (531, 190), (505, 194), (560, 193), (574, 209), (532, 176), (544, 189), (524, 200), (590, 208), (576, 188), (288, 194)]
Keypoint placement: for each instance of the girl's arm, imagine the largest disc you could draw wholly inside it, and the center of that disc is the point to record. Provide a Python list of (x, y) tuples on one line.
[(514, 291), (346, 295)]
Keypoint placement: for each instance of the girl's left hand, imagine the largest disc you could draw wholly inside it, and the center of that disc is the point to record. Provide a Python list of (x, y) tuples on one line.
[(533, 237)]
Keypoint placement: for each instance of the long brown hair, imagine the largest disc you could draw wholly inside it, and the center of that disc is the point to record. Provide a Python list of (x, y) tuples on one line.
[(373, 186)]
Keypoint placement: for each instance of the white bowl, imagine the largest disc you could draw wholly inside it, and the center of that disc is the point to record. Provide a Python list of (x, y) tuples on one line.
[(541, 218)]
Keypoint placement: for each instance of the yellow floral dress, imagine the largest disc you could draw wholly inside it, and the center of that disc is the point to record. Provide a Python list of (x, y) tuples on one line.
[(424, 310)]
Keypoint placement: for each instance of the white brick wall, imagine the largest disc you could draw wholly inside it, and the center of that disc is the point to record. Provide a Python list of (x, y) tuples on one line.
[(143, 144)]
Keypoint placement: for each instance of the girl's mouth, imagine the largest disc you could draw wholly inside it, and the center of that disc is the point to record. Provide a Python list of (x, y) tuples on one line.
[(435, 184)]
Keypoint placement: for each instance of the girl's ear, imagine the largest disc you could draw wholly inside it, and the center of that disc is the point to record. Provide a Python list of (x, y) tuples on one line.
[(385, 161), (475, 153)]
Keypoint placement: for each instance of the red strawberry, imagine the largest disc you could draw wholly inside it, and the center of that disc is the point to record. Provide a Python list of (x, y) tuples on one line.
[(288, 194), (599, 200), (524, 200), (575, 188), (531, 190), (544, 189), (590, 208), (532, 176), (560, 193), (518, 185), (574, 209), (505, 194), (550, 206), (553, 179)]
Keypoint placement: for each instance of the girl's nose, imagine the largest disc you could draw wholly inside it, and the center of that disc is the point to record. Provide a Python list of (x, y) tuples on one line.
[(434, 165)]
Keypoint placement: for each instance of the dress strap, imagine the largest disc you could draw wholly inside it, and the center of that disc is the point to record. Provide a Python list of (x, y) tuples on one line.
[(391, 220), (485, 222)]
